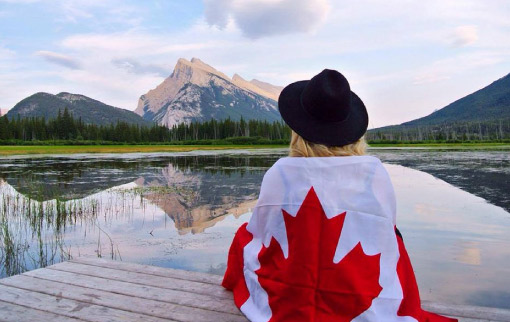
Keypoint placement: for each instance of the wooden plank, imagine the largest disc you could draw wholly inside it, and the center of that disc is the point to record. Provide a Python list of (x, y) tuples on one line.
[(92, 289), (468, 311), (147, 307), (15, 313), (152, 270), (216, 280), (135, 290), (144, 279), (66, 307)]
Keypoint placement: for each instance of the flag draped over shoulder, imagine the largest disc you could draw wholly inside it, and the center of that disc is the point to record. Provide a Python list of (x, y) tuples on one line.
[(321, 246)]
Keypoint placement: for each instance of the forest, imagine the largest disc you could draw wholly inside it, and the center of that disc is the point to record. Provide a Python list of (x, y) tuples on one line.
[(447, 132), (64, 129)]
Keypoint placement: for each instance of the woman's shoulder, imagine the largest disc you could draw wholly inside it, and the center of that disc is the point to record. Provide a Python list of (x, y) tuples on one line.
[(332, 168), (356, 183)]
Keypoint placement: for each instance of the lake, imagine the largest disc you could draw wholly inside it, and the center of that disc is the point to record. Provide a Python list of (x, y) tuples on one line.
[(181, 210)]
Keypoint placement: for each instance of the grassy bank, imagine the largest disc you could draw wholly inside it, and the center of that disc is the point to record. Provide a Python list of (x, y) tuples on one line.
[(67, 149), (6, 150)]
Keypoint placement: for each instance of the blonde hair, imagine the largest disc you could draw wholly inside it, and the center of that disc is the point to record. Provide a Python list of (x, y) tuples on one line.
[(300, 147)]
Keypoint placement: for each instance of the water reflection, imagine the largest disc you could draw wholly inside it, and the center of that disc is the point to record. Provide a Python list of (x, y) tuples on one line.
[(71, 177), (469, 253), (193, 190), (483, 173), (55, 208), (196, 197), (458, 243), (181, 211)]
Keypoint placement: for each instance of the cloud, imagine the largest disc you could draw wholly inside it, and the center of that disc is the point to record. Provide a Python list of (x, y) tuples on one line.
[(97, 12), (134, 67), (217, 12), (261, 18), (59, 59), (448, 68), (6, 53), (136, 43), (430, 77), (464, 35), (408, 67), (19, 1)]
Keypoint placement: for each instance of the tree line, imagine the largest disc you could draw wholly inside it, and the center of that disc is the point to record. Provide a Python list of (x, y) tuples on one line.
[(454, 132), (66, 128)]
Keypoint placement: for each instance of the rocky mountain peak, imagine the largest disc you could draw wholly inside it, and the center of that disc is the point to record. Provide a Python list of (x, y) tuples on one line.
[(198, 91), (182, 69), (270, 88), (72, 97), (200, 64), (187, 69), (268, 92), (238, 78)]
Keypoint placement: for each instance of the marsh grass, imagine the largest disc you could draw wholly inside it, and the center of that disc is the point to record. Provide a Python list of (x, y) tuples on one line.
[(33, 233)]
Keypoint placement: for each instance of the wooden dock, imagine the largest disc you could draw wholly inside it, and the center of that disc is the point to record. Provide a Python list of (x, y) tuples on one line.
[(91, 289)]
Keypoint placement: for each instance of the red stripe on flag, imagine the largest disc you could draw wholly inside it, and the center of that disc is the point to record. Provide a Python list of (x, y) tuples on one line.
[(411, 304), (234, 276)]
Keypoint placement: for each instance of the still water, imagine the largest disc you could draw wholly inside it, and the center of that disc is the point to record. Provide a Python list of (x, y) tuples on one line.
[(181, 211)]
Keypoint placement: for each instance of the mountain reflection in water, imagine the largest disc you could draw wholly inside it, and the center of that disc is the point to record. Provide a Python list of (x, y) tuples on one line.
[(483, 173), (196, 200), (194, 191), (174, 210)]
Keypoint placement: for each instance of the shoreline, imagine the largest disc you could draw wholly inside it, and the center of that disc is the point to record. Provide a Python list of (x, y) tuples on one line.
[(444, 146), (9, 150)]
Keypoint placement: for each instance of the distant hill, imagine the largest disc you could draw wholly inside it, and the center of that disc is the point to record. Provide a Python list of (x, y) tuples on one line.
[(89, 110), (196, 91), (489, 103), (482, 115)]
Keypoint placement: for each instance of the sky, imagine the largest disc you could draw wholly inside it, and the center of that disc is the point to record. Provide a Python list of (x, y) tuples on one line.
[(404, 58)]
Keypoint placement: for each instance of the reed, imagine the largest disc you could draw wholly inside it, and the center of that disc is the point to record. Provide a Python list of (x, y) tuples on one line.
[(32, 233)]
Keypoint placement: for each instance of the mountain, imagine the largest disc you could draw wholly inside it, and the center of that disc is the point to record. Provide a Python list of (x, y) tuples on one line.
[(483, 115), (196, 91), (255, 86), (89, 110), (489, 103)]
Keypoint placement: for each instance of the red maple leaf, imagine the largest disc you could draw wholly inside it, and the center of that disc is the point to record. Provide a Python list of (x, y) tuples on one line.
[(308, 286)]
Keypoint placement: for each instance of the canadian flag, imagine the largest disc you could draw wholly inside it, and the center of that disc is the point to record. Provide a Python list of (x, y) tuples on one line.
[(321, 245)]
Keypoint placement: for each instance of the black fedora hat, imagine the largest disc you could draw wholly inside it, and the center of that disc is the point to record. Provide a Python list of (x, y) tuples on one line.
[(324, 110)]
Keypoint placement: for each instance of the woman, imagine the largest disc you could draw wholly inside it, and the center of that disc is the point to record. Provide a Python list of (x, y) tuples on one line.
[(322, 244)]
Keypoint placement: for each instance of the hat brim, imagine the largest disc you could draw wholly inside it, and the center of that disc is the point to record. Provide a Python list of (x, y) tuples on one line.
[(340, 133)]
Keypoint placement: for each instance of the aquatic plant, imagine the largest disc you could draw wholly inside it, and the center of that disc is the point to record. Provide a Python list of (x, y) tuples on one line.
[(32, 233)]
